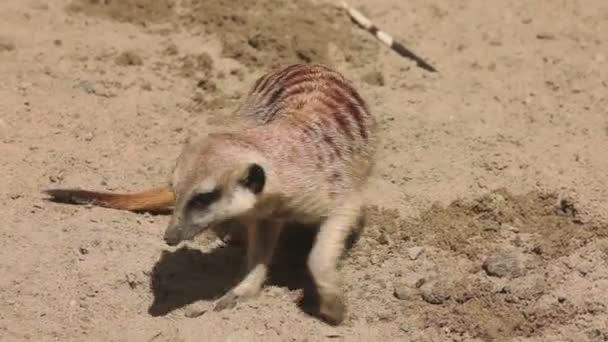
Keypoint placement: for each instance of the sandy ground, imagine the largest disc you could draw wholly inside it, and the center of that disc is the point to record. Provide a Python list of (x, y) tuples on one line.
[(487, 216)]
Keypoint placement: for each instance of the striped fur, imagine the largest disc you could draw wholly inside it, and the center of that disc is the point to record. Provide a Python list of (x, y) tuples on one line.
[(320, 121)]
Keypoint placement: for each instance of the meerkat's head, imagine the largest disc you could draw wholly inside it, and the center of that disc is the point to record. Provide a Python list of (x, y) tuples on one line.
[(213, 185)]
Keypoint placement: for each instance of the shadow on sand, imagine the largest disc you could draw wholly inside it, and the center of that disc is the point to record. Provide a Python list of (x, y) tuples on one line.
[(188, 275)]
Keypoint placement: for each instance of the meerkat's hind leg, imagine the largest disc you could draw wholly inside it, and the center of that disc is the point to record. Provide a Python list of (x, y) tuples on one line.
[(356, 231), (261, 242), (324, 256)]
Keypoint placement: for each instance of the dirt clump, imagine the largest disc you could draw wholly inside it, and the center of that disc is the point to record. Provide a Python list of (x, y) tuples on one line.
[(195, 65), (504, 264), (138, 12), (486, 285), (299, 31), (6, 44), (468, 227), (375, 78), (129, 58), (261, 33)]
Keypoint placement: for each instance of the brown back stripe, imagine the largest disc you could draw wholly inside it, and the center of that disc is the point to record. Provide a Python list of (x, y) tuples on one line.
[(329, 103), (277, 98), (316, 73), (302, 88), (344, 84), (272, 99), (336, 80), (342, 122), (271, 113), (337, 112), (351, 109), (302, 84), (274, 102), (310, 131), (357, 114), (266, 84), (279, 77), (358, 97), (330, 141), (300, 78), (261, 83), (292, 71)]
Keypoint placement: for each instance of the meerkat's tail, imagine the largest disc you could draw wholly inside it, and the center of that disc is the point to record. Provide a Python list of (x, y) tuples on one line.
[(155, 200)]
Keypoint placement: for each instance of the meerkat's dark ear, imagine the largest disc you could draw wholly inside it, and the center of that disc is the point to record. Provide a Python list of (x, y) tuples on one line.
[(254, 178)]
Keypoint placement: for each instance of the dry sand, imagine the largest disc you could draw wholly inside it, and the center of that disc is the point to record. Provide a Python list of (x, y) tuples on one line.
[(487, 218)]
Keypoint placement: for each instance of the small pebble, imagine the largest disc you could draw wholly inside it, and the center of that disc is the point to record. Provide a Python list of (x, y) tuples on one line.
[(402, 292), (129, 58), (415, 252), (512, 229), (193, 312), (374, 78), (504, 264), (6, 45), (383, 239), (545, 36), (171, 50), (83, 250), (87, 86), (132, 280), (385, 315), (434, 294), (55, 178)]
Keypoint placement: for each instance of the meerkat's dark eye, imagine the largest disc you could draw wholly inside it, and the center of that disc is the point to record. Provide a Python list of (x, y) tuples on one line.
[(204, 199), (254, 179)]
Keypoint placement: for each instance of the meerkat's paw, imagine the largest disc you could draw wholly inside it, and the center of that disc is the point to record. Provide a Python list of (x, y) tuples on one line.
[(233, 297), (332, 308), (228, 301)]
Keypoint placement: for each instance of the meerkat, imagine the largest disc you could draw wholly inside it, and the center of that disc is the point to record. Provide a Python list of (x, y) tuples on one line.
[(303, 153)]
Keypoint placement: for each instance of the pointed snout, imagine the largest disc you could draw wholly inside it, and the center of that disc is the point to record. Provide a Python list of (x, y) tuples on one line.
[(173, 235)]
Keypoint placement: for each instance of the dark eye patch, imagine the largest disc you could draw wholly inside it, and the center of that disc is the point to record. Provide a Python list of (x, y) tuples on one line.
[(204, 199)]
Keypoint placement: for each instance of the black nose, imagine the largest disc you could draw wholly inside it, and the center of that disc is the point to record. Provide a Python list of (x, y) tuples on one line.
[(172, 238)]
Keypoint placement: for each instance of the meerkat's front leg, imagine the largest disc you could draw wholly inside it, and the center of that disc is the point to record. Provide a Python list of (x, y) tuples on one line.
[(323, 260), (261, 241)]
